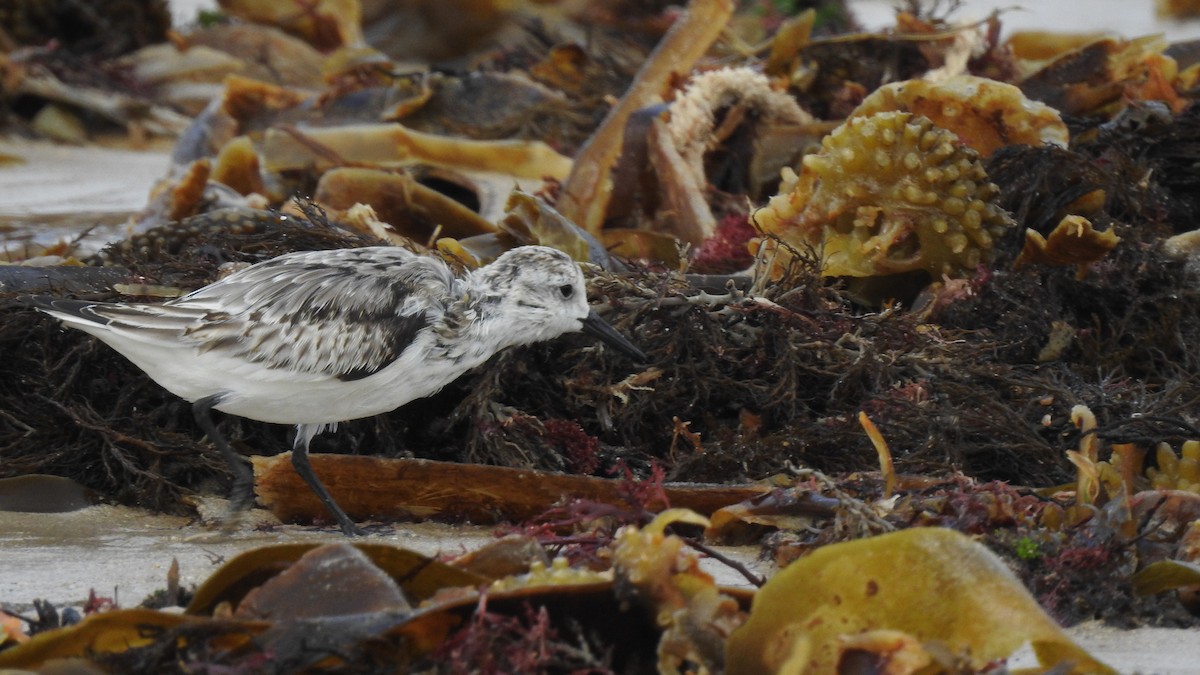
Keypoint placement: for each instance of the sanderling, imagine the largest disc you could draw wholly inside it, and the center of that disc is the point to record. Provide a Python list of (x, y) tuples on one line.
[(319, 337)]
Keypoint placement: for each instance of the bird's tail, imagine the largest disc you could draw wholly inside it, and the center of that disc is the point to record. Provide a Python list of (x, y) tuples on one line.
[(71, 311)]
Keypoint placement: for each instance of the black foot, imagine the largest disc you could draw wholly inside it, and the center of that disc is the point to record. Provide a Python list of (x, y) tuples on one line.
[(304, 468), (351, 530)]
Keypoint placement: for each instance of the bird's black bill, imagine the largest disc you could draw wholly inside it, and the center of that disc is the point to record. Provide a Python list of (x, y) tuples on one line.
[(596, 326)]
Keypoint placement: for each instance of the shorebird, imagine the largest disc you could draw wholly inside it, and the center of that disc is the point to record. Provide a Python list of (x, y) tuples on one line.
[(319, 337)]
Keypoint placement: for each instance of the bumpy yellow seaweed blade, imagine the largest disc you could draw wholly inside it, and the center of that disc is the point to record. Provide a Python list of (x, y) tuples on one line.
[(934, 584)]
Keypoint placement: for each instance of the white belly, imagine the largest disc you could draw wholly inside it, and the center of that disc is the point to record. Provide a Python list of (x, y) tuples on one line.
[(249, 390)]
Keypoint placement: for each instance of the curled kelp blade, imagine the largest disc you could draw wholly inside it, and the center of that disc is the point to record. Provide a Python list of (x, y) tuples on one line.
[(188, 71), (1165, 575), (419, 576), (117, 631), (933, 584), (1105, 75), (1073, 242), (532, 221), (403, 203), (528, 220), (791, 508), (983, 113)]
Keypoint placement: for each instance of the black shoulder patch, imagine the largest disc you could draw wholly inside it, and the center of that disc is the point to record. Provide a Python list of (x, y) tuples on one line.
[(400, 334)]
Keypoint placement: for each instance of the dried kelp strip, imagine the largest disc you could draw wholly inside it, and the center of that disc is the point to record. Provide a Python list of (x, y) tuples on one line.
[(490, 105), (586, 192), (407, 489), (101, 92), (293, 148)]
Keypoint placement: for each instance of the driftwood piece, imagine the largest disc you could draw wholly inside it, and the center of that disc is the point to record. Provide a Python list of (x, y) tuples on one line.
[(415, 489)]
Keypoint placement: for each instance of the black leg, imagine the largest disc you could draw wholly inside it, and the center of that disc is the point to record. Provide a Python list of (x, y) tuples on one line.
[(300, 461), (242, 494)]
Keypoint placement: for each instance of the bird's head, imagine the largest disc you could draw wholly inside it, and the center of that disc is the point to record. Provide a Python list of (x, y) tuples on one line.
[(539, 294)]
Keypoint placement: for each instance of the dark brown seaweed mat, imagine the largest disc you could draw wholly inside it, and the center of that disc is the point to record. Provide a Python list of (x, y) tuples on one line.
[(764, 384)]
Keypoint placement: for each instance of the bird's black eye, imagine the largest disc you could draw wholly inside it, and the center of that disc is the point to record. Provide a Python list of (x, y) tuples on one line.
[(566, 290)]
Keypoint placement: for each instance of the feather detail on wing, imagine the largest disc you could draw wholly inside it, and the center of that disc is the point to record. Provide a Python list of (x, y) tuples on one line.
[(342, 314), (345, 314)]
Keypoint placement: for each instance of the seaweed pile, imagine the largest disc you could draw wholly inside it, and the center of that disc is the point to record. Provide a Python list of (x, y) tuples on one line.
[(967, 312)]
